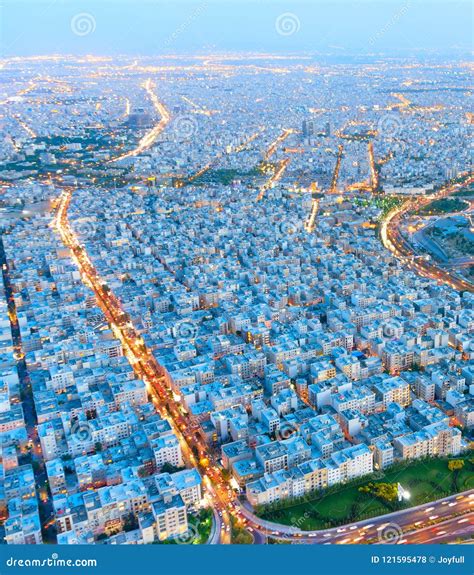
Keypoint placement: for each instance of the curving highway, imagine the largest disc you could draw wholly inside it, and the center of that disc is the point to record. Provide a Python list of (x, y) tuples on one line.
[(220, 495), (394, 241), (413, 523)]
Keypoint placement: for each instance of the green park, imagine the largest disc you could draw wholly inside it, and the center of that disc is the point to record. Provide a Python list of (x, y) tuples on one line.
[(425, 480)]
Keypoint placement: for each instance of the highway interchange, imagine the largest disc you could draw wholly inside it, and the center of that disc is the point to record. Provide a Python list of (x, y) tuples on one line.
[(402, 249)]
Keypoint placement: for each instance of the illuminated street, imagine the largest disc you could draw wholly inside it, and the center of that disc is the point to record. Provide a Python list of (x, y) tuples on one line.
[(237, 282), (394, 242)]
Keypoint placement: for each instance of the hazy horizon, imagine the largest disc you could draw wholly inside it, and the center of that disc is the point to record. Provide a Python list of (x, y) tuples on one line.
[(159, 27)]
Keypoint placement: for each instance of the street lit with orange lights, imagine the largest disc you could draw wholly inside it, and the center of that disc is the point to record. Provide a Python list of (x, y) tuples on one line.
[(227, 323), (150, 137), (220, 494)]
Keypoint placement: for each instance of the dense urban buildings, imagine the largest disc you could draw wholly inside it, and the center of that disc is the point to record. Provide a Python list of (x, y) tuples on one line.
[(230, 283)]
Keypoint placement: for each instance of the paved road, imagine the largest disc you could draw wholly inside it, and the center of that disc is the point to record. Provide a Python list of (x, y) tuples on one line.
[(215, 536), (402, 249), (221, 496), (376, 529), (448, 531)]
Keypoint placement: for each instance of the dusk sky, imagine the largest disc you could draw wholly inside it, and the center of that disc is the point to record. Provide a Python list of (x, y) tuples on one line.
[(154, 27)]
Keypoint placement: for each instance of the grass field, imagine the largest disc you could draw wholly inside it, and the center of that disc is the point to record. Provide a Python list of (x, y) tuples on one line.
[(443, 206), (465, 193), (426, 481), (200, 526)]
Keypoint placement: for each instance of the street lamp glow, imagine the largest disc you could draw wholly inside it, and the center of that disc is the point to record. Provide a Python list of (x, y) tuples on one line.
[(403, 494)]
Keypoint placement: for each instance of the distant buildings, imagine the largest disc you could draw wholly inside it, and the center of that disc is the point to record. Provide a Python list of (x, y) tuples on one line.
[(301, 359)]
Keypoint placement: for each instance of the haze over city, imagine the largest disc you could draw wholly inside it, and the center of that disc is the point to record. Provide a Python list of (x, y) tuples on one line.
[(154, 27)]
